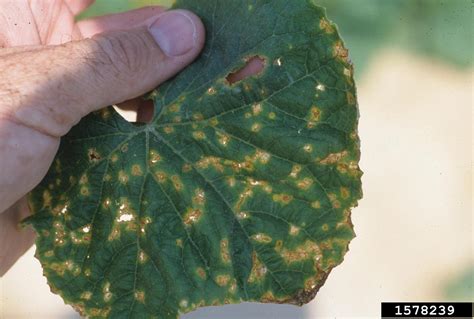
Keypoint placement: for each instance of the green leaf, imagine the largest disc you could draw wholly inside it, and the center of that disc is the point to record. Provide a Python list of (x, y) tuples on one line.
[(233, 193)]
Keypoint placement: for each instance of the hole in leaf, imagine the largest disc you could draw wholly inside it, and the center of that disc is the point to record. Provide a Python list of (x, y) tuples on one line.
[(253, 66), (94, 156), (137, 110)]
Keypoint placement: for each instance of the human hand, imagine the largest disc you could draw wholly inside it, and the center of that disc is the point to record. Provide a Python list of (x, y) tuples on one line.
[(55, 71)]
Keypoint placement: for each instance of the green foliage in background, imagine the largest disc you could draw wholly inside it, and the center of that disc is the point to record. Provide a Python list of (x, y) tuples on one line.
[(461, 288), (101, 7), (437, 28), (234, 192)]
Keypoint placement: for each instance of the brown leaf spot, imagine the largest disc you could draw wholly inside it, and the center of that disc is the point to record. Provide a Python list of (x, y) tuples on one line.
[(222, 280), (258, 269), (225, 251), (333, 158), (192, 216), (137, 170), (282, 198), (262, 238), (93, 155)]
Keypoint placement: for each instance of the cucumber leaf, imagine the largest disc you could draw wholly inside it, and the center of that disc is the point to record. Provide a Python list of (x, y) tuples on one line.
[(234, 192)]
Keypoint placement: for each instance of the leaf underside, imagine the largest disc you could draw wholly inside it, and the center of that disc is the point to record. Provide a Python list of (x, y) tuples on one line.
[(234, 192)]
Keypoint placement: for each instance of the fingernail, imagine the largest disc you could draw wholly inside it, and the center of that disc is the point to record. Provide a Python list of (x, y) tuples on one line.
[(174, 32)]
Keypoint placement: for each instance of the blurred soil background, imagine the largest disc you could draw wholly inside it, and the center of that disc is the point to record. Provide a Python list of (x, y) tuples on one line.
[(413, 61)]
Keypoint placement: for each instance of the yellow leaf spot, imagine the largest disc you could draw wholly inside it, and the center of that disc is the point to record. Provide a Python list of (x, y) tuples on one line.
[(86, 295), (258, 269), (179, 243), (154, 157), (192, 216), (137, 170), (316, 204), (199, 135), (243, 197), (140, 296), (168, 129), (211, 91), (340, 51), (106, 292), (272, 115), (201, 273), (305, 183), (142, 257), (333, 158), (214, 121), (314, 114), (215, 162), (296, 169), (282, 198), (262, 238), (231, 181), (348, 72), (93, 155), (124, 148), (178, 185), (84, 191), (345, 193), (353, 166), (224, 139), (186, 168), (257, 109), (325, 25), (233, 286), (262, 156), (335, 203), (161, 177), (47, 198), (325, 227), (114, 158), (308, 148), (198, 117), (278, 246), (243, 215), (350, 98), (199, 197), (346, 220), (294, 230), (122, 177), (222, 280), (304, 252), (83, 180), (225, 251), (183, 303), (256, 127), (175, 108), (125, 212), (114, 234)]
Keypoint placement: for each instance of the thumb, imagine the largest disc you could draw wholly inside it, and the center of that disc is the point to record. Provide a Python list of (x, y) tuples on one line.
[(50, 89)]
